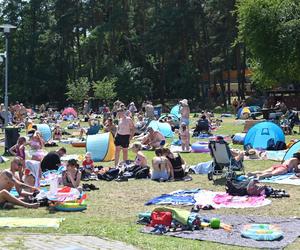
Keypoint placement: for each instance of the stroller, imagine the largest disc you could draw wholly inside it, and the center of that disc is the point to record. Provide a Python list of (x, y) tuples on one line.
[(223, 163)]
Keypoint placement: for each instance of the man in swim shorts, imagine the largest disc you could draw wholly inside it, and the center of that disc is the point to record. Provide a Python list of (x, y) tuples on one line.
[(8, 180), (280, 169)]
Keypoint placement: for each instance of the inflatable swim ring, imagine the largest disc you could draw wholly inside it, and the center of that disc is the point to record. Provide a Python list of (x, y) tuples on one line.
[(200, 147), (70, 207), (262, 232)]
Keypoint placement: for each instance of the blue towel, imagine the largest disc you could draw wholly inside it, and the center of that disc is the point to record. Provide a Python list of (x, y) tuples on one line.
[(180, 197)]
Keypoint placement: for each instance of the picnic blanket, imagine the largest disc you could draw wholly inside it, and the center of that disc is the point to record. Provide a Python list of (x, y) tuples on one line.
[(283, 179), (289, 226), (224, 200), (206, 197), (14, 222)]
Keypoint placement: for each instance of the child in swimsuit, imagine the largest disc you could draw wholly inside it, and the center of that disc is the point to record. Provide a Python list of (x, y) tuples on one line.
[(185, 137), (19, 148)]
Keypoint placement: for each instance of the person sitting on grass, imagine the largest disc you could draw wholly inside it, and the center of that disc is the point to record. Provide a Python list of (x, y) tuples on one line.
[(72, 175), (140, 158), (57, 133), (178, 164), (154, 139), (87, 166), (8, 180), (161, 167), (52, 160), (92, 130), (287, 166)]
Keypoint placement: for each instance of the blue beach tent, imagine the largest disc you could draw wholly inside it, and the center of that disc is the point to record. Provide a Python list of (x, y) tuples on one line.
[(292, 150), (262, 133)]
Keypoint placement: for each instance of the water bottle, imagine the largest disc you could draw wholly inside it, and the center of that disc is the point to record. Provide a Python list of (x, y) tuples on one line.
[(53, 184)]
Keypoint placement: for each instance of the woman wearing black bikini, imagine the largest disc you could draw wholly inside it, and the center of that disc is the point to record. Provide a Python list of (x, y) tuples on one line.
[(177, 163), (72, 175)]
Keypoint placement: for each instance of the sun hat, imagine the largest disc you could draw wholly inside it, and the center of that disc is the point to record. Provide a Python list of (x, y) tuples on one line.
[(184, 102)]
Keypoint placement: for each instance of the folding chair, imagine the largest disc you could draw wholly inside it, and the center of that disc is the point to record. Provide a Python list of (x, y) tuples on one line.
[(224, 164)]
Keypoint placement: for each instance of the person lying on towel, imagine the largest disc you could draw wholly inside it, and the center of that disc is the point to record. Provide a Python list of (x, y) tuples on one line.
[(286, 167), (8, 180)]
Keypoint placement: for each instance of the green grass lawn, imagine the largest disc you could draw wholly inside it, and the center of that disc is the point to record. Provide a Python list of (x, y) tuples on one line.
[(112, 211)]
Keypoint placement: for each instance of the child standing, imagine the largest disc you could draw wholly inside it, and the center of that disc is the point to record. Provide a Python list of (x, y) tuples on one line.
[(184, 135), (19, 148)]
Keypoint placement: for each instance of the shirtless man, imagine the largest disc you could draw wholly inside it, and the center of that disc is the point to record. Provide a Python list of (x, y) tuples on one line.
[(161, 167), (286, 167), (8, 180), (154, 139), (125, 132)]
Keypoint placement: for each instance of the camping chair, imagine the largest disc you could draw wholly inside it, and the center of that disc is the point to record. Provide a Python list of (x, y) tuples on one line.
[(223, 160)]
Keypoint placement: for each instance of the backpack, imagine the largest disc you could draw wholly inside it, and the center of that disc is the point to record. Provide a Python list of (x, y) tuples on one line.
[(142, 173), (280, 145), (271, 144), (237, 188), (161, 218)]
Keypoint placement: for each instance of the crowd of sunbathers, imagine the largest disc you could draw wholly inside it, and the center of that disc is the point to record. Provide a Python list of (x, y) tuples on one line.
[(123, 122)]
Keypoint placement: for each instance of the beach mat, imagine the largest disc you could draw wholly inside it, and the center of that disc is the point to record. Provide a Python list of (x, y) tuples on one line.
[(283, 179), (289, 226), (16, 222)]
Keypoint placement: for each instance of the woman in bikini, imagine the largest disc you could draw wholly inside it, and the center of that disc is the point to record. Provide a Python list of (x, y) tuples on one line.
[(280, 169), (140, 159), (161, 167), (36, 143), (71, 176), (176, 161)]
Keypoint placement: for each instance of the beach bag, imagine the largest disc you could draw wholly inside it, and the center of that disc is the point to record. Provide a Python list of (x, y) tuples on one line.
[(161, 218), (142, 173), (237, 188), (280, 145), (271, 144)]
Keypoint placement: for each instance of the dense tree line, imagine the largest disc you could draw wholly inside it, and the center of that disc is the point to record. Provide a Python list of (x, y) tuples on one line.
[(152, 49)]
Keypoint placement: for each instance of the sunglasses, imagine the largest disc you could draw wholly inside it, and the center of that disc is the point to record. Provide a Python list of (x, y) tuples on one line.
[(20, 164)]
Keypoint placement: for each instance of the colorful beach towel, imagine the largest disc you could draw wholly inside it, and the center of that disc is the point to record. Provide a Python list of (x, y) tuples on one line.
[(15, 222), (283, 179), (224, 200), (179, 197), (206, 197)]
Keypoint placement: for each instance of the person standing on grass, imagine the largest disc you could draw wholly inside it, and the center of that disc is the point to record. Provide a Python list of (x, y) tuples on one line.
[(185, 112), (125, 132)]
